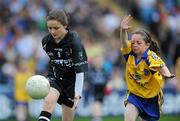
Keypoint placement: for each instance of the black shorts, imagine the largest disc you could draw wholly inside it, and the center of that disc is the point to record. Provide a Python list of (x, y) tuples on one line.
[(99, 92), (64, 97)]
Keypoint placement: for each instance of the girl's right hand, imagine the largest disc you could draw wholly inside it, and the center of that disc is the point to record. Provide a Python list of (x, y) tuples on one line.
[(125, 22)]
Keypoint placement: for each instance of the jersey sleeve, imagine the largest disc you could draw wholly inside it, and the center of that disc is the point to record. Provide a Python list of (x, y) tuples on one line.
[(155, 61), (45, 41), (79, 55), (127, 49)]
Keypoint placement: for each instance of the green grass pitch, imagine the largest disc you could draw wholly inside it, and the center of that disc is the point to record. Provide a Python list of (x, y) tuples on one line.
[(120, 118)]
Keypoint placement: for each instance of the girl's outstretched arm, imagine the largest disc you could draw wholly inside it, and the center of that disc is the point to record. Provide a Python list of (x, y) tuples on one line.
[(165, 72), (123, 31)]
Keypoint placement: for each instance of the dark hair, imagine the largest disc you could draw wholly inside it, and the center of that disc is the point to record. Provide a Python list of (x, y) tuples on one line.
[(147, 38), (59, 15)]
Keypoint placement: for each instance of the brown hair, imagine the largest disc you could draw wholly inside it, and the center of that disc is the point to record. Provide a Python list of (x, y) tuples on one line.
[(59, 15), (147, 38)]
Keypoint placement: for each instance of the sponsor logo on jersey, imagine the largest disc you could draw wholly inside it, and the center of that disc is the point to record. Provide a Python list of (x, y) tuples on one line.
[(58, 49)]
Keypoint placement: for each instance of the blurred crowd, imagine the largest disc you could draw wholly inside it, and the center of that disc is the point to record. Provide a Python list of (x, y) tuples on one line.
[(23, 24)]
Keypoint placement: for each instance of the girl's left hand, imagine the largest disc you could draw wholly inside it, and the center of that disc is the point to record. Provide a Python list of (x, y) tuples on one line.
[(76, 101), (170, 77)]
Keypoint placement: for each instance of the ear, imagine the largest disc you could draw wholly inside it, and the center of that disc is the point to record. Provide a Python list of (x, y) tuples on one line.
[(148, 44)]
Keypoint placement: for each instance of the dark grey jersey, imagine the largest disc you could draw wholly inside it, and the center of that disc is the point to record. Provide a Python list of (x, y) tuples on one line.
[(67, 58)]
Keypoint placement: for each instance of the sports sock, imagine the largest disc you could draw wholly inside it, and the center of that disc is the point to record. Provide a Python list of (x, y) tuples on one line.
[(44, 116)]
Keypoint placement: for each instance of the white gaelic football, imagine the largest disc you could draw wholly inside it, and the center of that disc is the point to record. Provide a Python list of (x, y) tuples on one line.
[(37, 86)]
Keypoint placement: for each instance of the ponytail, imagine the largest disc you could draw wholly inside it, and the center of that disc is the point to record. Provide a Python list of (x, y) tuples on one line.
[(154, 47)]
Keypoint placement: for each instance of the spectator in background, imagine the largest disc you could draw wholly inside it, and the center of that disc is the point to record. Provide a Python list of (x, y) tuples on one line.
[(100, 72), (24, 71)]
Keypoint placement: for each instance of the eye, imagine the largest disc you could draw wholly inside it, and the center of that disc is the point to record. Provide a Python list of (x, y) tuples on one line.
[(139, 43), (56, 28), (49, 27)]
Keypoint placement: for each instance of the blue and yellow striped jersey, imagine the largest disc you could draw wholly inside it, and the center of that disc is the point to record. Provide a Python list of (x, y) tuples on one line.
[(142, 76)]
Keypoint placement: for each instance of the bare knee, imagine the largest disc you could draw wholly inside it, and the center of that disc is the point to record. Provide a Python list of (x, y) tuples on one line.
[(128, 117), (48, 104), (131, 112), (50, 100)]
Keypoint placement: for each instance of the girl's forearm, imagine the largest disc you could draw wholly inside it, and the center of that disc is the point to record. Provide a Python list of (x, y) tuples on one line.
[(123, 38), (165, 72)]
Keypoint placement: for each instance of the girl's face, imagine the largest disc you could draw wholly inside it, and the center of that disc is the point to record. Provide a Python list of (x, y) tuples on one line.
[(138, 45), (56, 29)]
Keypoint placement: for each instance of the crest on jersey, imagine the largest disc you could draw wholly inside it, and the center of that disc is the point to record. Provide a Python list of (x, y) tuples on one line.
[(80, 55), (154, 56), (146, 72), (67, 51)]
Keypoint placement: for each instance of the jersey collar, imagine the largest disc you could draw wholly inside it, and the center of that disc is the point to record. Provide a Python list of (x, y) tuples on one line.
[(145, 54)]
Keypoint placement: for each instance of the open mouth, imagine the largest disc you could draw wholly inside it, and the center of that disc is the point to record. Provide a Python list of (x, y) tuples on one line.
[(135, 49)]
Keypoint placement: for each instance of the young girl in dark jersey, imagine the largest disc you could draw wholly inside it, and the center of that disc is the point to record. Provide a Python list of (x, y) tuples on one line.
[(67, 66)]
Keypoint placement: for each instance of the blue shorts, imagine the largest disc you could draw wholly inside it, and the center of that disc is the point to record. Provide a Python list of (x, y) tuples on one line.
[(22, 103), (148, 108)]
